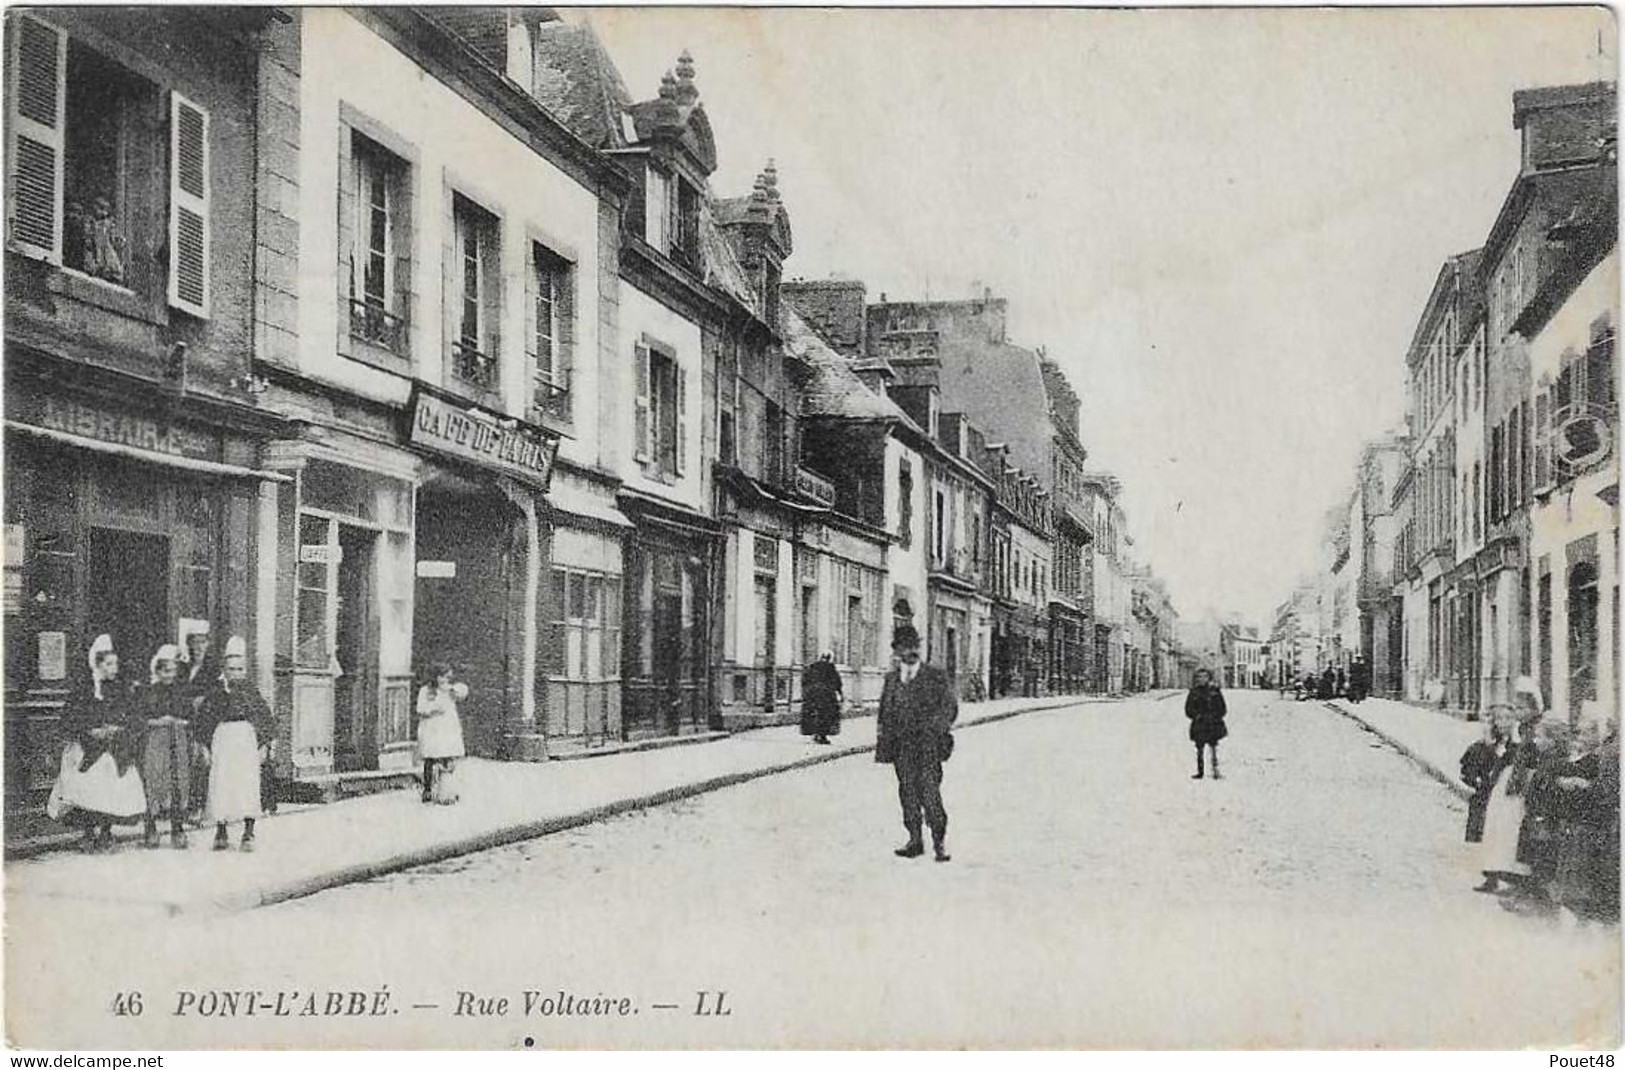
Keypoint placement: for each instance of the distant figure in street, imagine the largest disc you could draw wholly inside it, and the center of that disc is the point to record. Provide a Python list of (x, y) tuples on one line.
[(1328, 683), (821, 700), (1204, 707), (440, 733), (237, 722), (1359, 680), (1342, 681), (917, 709), (1310, 687)]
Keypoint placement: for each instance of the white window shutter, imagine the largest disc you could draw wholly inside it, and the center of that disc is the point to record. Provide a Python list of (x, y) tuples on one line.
[(682, 417), (188, 206), (36, 120), (641, 424)]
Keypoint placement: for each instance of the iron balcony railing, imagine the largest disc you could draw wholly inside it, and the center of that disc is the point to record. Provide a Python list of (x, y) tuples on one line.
[(472, 366), (378, 326)]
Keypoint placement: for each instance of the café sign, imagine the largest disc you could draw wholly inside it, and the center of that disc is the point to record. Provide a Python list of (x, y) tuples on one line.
[(472, 434)]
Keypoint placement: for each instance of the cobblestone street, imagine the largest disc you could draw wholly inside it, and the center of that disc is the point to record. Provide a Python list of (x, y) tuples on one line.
[(1098, 896)]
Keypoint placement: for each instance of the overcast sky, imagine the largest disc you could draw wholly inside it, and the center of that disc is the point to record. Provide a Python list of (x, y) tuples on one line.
[(1222, 223)]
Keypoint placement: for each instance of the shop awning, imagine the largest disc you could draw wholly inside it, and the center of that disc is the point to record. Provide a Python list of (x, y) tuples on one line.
[(570, 501), (190, 464)]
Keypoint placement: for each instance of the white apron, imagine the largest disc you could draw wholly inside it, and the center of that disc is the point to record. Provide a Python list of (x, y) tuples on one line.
[(1503, 818), (99, 789), (234, 772)]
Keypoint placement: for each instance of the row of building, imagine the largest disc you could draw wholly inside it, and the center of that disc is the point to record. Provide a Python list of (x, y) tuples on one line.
[(386, 336), (1480, 542)]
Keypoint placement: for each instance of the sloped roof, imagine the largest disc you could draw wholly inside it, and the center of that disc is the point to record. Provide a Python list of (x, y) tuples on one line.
[(722, 267), (579, 83), (832, 388)]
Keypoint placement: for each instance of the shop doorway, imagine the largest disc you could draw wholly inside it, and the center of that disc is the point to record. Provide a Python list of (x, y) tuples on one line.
[(668, 659), (127, 595), (466, 604), (1583, 601), (355, 646)]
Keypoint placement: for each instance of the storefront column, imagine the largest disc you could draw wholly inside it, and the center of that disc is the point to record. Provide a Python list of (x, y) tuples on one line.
[(265, 562), (526, 741)]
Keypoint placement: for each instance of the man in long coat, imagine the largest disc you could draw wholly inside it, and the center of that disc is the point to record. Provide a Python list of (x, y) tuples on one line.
[(917, 709)]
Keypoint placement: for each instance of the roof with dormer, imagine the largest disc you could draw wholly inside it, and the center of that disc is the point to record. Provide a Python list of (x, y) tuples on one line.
[(833, 387), (579, 83)]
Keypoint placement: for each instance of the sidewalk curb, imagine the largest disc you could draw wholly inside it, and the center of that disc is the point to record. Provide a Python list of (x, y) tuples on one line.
[(530, 830), (1444, 777)]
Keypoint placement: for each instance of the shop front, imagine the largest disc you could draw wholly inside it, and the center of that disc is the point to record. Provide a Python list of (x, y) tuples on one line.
[(396, 555), (579, 687), (1069, 651), (137, 519), (481, 566), (670, 560)]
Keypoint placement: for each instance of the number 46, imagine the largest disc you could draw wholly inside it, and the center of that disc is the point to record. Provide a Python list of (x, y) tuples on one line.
[(127, 1005)]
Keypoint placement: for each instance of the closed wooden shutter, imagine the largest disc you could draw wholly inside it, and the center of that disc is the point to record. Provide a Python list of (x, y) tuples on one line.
[(36, 122), (682, 416), (188, 206), (641, 424)]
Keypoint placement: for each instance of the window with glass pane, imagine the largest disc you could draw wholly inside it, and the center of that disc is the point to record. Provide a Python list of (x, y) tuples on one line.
[(550, 333), (196, 529), (314, 594), (477, 294)]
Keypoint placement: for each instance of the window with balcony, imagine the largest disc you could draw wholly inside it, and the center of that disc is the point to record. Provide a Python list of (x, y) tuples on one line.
[(550, 333), (106, 172), (475, 295), (376, 236)]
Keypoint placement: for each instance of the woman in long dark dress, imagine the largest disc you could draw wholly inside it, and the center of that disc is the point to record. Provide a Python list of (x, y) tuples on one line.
[(164, 714), (821, 700), (1204, 707)]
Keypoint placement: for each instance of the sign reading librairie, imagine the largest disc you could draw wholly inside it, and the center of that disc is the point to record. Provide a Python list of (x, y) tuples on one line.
[(511, 446)]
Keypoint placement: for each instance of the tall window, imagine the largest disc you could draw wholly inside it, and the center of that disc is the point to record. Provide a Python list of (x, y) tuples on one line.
[(938, 545), (93, 185), (773, 466), (379, 257), (476, 293), (585, 644), (550, 334), (660, 424), (905, 503)]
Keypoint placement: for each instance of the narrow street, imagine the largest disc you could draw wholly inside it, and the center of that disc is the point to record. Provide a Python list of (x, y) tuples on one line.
[(1097, 896)]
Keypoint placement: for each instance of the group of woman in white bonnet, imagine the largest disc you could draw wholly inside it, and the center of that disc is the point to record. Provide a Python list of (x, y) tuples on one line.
[(129, 752)]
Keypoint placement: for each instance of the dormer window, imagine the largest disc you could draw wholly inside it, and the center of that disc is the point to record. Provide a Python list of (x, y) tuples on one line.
[(671, 216)]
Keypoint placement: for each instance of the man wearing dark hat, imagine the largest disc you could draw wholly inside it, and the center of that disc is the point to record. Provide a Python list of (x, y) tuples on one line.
[(917, 708)]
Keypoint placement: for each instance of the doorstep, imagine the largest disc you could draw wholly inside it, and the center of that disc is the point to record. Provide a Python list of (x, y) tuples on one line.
[(569, 751), (331, 787)]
